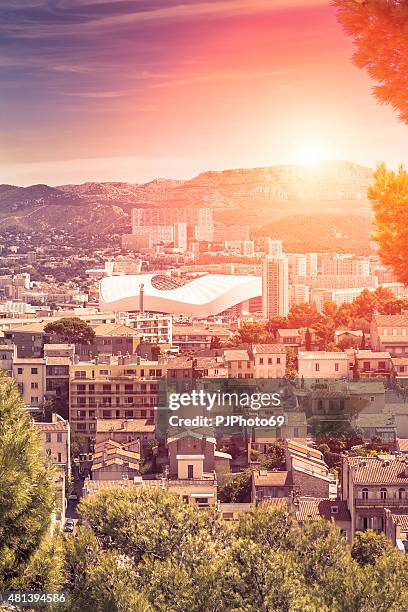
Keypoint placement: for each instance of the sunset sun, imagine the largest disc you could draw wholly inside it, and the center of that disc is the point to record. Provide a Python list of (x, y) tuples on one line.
[(311, 153)]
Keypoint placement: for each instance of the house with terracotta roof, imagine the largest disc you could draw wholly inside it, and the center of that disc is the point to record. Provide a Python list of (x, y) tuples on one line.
[(267, 483), (371, 484), (333, 510), (305, 474), (269, 360), (322, 365), (374, 364), (114, 461), (239, 363), (55, 441), (309, 509), (390, 333), (396, 529), (124, 430)]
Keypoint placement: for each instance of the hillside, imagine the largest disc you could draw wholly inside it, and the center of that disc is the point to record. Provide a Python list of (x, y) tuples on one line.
[(321, 233), (252, 196)]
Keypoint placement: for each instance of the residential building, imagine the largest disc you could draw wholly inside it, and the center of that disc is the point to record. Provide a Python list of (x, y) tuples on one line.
[(123, 431), (122, 388), (322, 364), (275, 287), (270, 484), (56, 441), (239, 363), (390, 333), (153, 328), (197, 337), (371, 484), (374, 364), (29, 375), (269, 361), (113, 461)]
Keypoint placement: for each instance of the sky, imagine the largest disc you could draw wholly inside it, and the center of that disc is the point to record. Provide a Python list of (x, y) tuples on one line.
[(131, 90)]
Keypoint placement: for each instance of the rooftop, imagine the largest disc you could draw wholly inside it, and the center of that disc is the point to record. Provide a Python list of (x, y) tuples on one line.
[(265, 349), (378, 470), (263, 478), (314, 508), (124, 425), (334, 355)]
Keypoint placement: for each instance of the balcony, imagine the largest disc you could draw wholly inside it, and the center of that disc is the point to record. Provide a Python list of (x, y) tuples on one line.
[(381, 503)]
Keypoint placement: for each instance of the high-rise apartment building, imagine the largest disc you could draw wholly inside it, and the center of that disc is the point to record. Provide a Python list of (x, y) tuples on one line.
[(272, 248), (275, 287), (142, 217), (180, 236), (311, 264), (297, 263)]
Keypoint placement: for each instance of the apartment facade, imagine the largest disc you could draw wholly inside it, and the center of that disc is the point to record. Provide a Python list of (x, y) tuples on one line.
[(372, 484), (56, 441), (390, 333), (322, 365), (123, 388)]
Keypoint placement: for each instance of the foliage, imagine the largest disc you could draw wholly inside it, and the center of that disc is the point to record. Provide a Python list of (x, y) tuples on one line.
[(368, 546), (379, 32), (71, 330), (26, 497), (389, 195), (235, 488), (192, 560), (253, 333)]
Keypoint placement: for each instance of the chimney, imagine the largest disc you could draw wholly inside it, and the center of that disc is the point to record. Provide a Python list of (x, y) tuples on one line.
[(141, 298)]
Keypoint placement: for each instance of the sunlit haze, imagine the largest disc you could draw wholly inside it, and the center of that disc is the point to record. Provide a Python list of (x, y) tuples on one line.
[(132, 91)]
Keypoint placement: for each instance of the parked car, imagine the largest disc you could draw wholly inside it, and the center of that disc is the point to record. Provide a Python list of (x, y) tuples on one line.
[(69, 526), (73, 496)]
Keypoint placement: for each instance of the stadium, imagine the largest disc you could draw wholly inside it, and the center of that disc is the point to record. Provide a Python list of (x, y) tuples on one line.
[(201, 297)]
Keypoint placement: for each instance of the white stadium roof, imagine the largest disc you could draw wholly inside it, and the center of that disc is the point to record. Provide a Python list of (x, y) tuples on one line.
[(199, 297)]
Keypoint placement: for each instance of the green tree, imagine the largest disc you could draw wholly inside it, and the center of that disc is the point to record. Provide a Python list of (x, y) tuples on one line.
[(235, 488), (308, 340), (70, 330), (378, 31), (303, 315), (253, 333), (369, 546), (389, 195), (26, 497)]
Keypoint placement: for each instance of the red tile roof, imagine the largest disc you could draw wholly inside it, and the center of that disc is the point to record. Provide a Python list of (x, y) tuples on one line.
[(314, 508), (375, 470), (272, 479)]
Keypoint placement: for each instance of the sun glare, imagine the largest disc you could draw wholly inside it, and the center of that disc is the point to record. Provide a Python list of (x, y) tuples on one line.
[(310, 154)]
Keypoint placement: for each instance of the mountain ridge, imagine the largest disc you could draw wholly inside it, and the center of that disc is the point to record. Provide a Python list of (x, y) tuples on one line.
[(251, 196)]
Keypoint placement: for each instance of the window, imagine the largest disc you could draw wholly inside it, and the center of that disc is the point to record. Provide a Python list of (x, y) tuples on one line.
[(190, 471), (383, 493), (34, 399), (34, 370), (80, 374), (401, 493), (364, 494), (365, 523), (317, 367), (395, 332), (336, 367), (104, 372), (381, 365), (34, 385), (48, 437), (59, 458), (19, 370), (278, 360), (261, 361), (59, 436)]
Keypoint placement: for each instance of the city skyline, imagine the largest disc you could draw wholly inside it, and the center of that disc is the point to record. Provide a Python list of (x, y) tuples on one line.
[(105, 91)]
